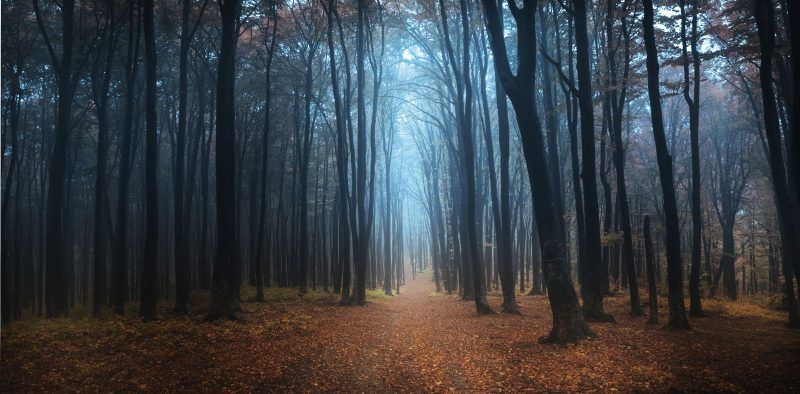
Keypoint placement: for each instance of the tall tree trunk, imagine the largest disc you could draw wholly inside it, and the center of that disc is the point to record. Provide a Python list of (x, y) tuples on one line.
[(651, 276), (693, 102), (263, 240), (12, 117), (568, 322), (226, 280), (617, 105), (149, 285), (765, 21), (387, 218), (181, 251), (343, 197), (509, 296), (677, 309), (119, 269), (304, 159), (361, 237), (56, 285), (467, 155), (592, 277), (504, 246), (100, 89)]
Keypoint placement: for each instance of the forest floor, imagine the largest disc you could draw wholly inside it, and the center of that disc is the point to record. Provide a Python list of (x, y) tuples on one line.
[(417, 341)]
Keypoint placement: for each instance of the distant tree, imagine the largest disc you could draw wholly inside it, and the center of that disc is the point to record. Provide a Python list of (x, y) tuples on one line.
[(729, 176), (651, 277)]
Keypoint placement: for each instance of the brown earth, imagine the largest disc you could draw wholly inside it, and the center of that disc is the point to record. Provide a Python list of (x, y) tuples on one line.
[(417, 341)]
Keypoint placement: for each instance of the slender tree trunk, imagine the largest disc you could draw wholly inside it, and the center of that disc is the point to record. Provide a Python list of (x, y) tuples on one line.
[(592, 277), (149, 285), (56, 286), (181, 251), (101, 98), (693, 102), (304, 159), (617, 104), (568, 322), (677, 308), (263, 240), (504, 246), (651, 276), (361, 237)]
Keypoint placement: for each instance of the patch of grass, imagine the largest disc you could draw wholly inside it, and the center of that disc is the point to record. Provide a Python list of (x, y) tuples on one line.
[(443, 294), (292, 295), (80, 318), (377, 296)]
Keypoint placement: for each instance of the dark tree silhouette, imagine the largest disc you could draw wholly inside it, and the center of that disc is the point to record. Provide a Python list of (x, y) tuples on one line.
[(149, 285), (677, 308), (226, 281), (56, 286), (592, 277), (765, 22), (568, 322), (693, 102), (651, 277)]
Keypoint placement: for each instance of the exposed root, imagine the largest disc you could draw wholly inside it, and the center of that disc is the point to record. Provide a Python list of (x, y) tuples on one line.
[(571, 333), (568, 326), (511, 308), (484, 308), (678, 322), (598, 316)]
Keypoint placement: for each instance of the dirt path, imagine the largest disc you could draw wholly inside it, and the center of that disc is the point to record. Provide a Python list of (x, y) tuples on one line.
[(417, 341), (421, 341)]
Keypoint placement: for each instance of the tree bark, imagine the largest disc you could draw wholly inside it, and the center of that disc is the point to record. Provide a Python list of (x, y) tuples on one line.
[(693, 102), (651, 275), (149, 285), (100, 90), (677, 309), (56, 283), (765, 21), (226, 280), (568, 322), (592, 267)]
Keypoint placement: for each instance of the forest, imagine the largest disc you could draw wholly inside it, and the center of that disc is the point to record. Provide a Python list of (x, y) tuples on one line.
[(400, 195)]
